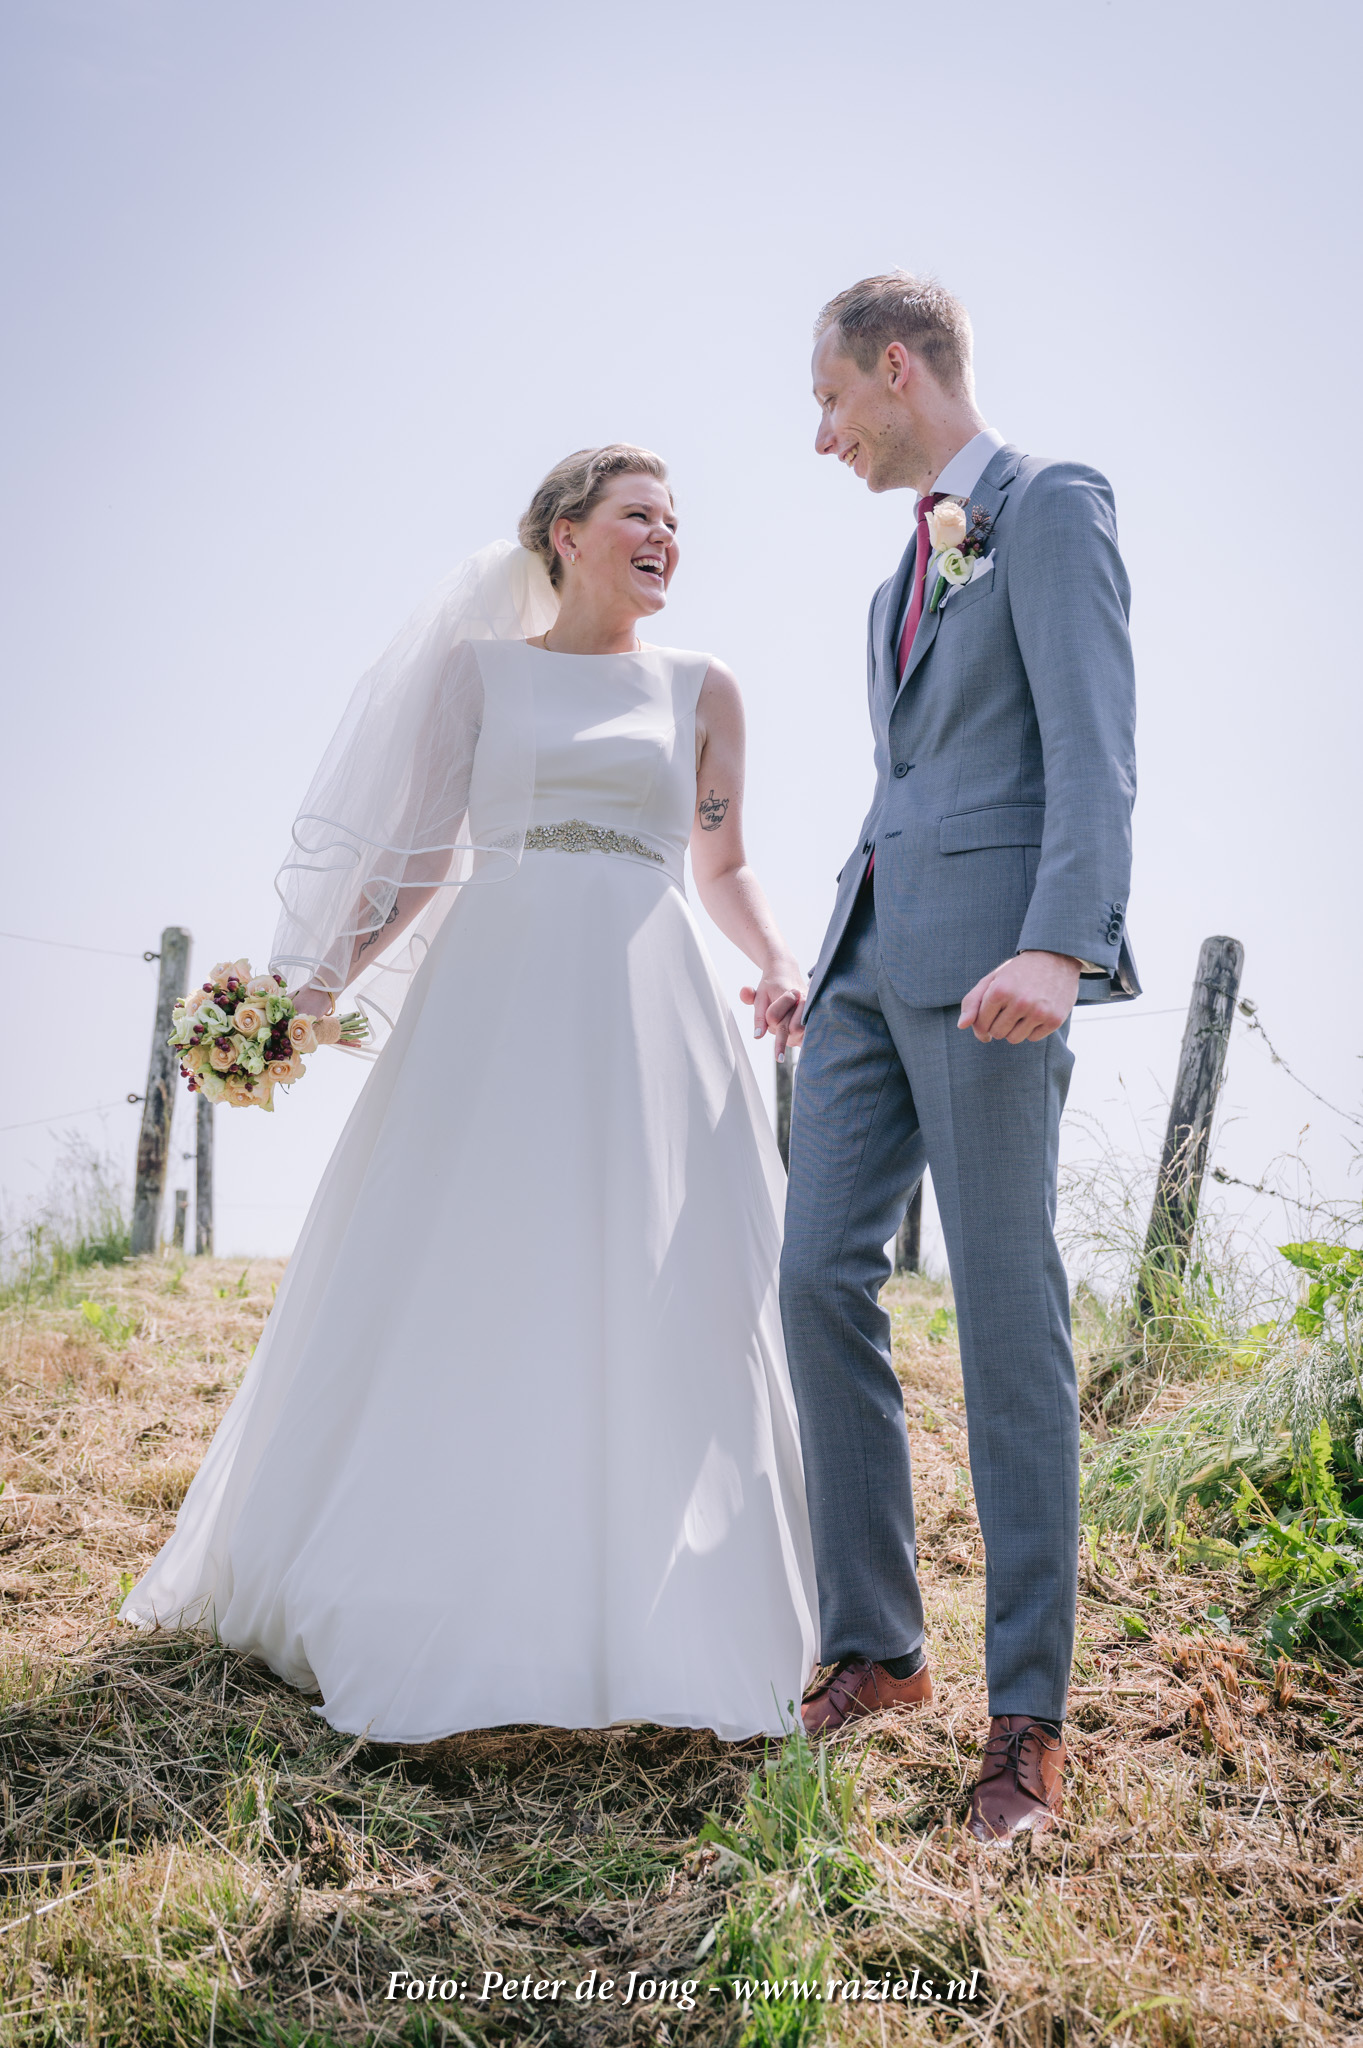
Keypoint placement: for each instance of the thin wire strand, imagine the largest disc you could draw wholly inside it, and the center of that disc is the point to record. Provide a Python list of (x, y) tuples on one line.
[(66, 1114), (65, 946), (1123, 1010)]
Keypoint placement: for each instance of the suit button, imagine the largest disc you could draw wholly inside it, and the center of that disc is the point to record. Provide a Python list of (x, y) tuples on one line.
[(902, 767)]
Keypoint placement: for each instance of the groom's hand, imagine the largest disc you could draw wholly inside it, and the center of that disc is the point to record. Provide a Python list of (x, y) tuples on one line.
[(1029, 997)]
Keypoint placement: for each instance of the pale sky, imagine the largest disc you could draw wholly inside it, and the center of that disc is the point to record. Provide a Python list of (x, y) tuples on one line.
[(304, 298)]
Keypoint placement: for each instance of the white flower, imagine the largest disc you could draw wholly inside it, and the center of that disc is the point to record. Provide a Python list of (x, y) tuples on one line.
[(277, 1006), (213, 1018), (953, 567), (210, 1084), (250, 1057)]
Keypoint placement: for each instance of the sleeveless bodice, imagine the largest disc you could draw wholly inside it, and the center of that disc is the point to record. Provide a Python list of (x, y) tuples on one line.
[(614, 743)]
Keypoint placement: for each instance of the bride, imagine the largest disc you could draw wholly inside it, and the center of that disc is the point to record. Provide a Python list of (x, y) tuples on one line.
[(518, 1443)]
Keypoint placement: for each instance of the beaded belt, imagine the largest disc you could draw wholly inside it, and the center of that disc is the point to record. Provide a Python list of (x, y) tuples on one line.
[(575, 835)]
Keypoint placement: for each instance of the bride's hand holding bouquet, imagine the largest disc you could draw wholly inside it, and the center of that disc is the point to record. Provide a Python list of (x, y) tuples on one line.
[(242, 1035)]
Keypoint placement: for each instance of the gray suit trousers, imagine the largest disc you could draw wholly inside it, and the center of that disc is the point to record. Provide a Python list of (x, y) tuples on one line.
[(884, 1089)]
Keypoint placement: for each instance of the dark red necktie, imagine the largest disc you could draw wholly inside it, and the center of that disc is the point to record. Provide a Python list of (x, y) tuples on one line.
[(920, 570), (915, 612)]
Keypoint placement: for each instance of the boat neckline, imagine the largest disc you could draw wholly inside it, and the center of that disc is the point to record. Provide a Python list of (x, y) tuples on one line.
[(565, 654)]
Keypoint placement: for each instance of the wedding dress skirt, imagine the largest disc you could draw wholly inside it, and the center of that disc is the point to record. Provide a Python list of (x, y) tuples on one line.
[(518, 1443)]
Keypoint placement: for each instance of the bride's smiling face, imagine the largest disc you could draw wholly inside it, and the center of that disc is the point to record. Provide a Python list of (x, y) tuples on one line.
[(624, 552)]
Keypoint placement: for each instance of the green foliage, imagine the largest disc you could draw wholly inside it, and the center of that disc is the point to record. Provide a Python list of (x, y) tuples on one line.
[(801, 1844), (941, 1325), (115, 1329), (1335, 1291), (1272, 1457), (1309, 1551), (1337, 1281), (800, 1815), (1143, 1479)]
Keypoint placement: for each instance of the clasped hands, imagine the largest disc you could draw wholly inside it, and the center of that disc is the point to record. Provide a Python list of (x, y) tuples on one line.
[(777, 1003)]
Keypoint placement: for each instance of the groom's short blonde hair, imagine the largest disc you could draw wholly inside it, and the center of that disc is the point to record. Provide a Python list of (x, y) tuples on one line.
[(916, 311)]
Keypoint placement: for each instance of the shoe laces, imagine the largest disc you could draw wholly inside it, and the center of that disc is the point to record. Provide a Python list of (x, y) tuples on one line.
[(847, 1674), (1005, 1749)]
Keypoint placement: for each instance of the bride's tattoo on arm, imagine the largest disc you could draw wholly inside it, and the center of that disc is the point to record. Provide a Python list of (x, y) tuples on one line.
[(712, 809), (373, 936)]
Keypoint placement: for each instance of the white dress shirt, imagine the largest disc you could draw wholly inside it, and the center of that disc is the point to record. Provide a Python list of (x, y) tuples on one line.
[(969, 464)]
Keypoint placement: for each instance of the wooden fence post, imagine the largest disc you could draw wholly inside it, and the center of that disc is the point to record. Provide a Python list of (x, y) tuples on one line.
[(1201, 1064), (785, 1088), (154, 1138), (203, 1177), (908, 1244), (177, 1234)]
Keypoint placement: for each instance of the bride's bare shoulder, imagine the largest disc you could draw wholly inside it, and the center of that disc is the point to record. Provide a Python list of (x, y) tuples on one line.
[(720, 684)]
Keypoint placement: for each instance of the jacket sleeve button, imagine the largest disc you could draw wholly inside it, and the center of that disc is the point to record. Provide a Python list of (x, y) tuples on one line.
[(902, 768)]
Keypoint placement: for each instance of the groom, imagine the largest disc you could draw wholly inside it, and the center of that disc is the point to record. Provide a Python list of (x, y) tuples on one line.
[(987, 892)]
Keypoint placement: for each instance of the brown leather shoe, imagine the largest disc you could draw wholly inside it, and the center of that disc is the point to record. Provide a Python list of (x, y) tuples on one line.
[(855, 1687), (1021, 1783)]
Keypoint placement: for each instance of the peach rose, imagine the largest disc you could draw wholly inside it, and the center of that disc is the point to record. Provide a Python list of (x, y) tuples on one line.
[(302, 1034), (248, 1019), (194, 1056), (222, 1056), (291, 1069), (262, 985), (221, 972), (946, 525)]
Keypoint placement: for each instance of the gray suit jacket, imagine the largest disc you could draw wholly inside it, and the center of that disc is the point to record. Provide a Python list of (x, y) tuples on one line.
[(1005, 760)]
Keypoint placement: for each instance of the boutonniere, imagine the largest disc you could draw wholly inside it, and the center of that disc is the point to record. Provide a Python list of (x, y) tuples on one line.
[(960, 551)]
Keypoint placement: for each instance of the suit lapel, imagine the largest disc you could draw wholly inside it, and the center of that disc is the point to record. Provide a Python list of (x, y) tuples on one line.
[(989, 493)]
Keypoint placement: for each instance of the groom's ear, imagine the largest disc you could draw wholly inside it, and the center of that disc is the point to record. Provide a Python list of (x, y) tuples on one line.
[(904, 368)]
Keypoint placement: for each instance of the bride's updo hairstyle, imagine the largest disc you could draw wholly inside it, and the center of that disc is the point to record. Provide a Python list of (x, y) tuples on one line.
[(573, 488)]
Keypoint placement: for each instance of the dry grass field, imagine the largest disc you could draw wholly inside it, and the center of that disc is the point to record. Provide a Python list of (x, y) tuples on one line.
[(188, 1855)]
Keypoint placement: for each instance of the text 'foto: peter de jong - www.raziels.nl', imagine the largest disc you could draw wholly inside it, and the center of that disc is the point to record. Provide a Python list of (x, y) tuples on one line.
[(492, 1986)]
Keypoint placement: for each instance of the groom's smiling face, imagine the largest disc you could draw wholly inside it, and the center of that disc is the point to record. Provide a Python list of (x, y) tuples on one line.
[(863, 418)]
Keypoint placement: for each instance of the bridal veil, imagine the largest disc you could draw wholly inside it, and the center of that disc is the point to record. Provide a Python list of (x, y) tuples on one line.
[(426, 786)]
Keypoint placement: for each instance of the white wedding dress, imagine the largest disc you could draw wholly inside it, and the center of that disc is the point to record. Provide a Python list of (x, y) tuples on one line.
[(518, 1443)]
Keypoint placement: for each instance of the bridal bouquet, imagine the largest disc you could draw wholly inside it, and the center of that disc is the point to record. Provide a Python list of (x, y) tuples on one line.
[(239, 1036)]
